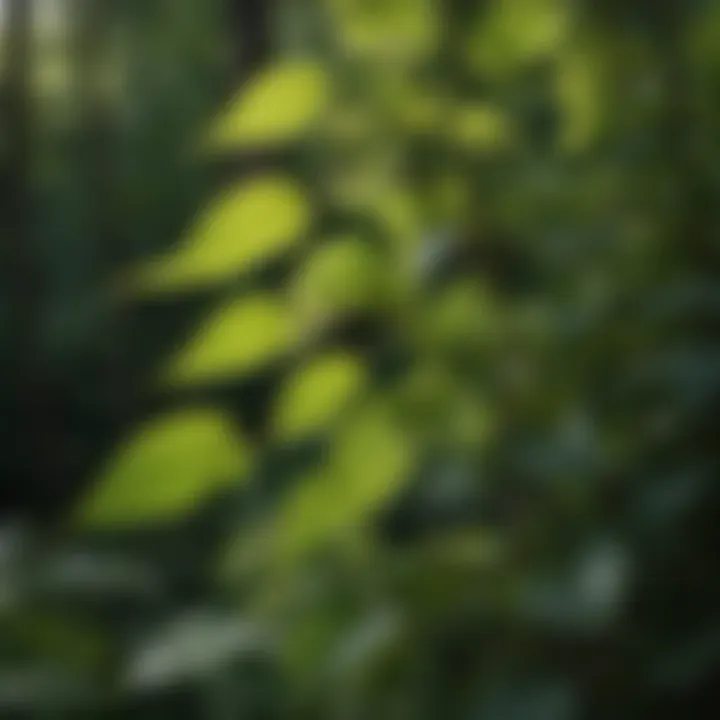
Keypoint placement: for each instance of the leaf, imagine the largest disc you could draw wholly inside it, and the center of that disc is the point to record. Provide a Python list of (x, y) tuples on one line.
[(581, 82), (242, 229), (278, 106), (464, 315), (239, 338), (317, 394), (165, 468), (404, 30), (306, 519), (514, 33), (481, 127), (194, 646), (344, 275), (702, 41), (369, 461), (401, 218)]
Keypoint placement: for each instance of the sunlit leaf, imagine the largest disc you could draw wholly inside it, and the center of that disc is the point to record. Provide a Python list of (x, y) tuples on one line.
[(279, 105), (317, 394), (242, 228), (165, 468), (240, 337)]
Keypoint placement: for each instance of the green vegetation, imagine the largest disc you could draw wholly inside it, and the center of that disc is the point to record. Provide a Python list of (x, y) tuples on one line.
[(379, 380)]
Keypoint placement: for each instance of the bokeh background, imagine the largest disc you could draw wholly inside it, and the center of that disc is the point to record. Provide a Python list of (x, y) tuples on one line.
[(359, 359)]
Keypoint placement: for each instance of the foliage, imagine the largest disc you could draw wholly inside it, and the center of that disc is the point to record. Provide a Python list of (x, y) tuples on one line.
[(381, 384)]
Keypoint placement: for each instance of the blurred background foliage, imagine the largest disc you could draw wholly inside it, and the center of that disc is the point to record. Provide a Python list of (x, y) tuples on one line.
[(359, 359)]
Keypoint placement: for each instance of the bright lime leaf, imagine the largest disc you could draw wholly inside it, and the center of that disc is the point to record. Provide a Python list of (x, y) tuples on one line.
[(316, 396), (241, 229), (239, 338), (165, 468), (278, 106)]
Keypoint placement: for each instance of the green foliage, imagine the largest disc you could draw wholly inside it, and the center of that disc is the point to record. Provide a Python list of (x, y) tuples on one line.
[(242, 229), (165, 469), (281, 105), (314, 397), (512, 34), (405, 30), (341, 276), (370, 460), (237, 339), (477, 331)]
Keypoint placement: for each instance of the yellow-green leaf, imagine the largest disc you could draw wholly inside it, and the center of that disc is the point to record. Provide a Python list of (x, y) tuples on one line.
[(317, 395), (482, 127), (369, 461), (243, 228), (396, 30), (278, 106), (512, 33), (165, 468), (581, 95), (343, 275), (401, 217), (307, 518), (239, 338)]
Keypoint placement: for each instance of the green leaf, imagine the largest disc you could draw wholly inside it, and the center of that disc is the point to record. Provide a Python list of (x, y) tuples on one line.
[(397, 30), (278, 106), (481, 127), (239, 338), (344, 275), (369, 461), (243, 228), (514, 33), (192, 646), (317, 394), (165, 468), (465, 315), (581, 83)]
